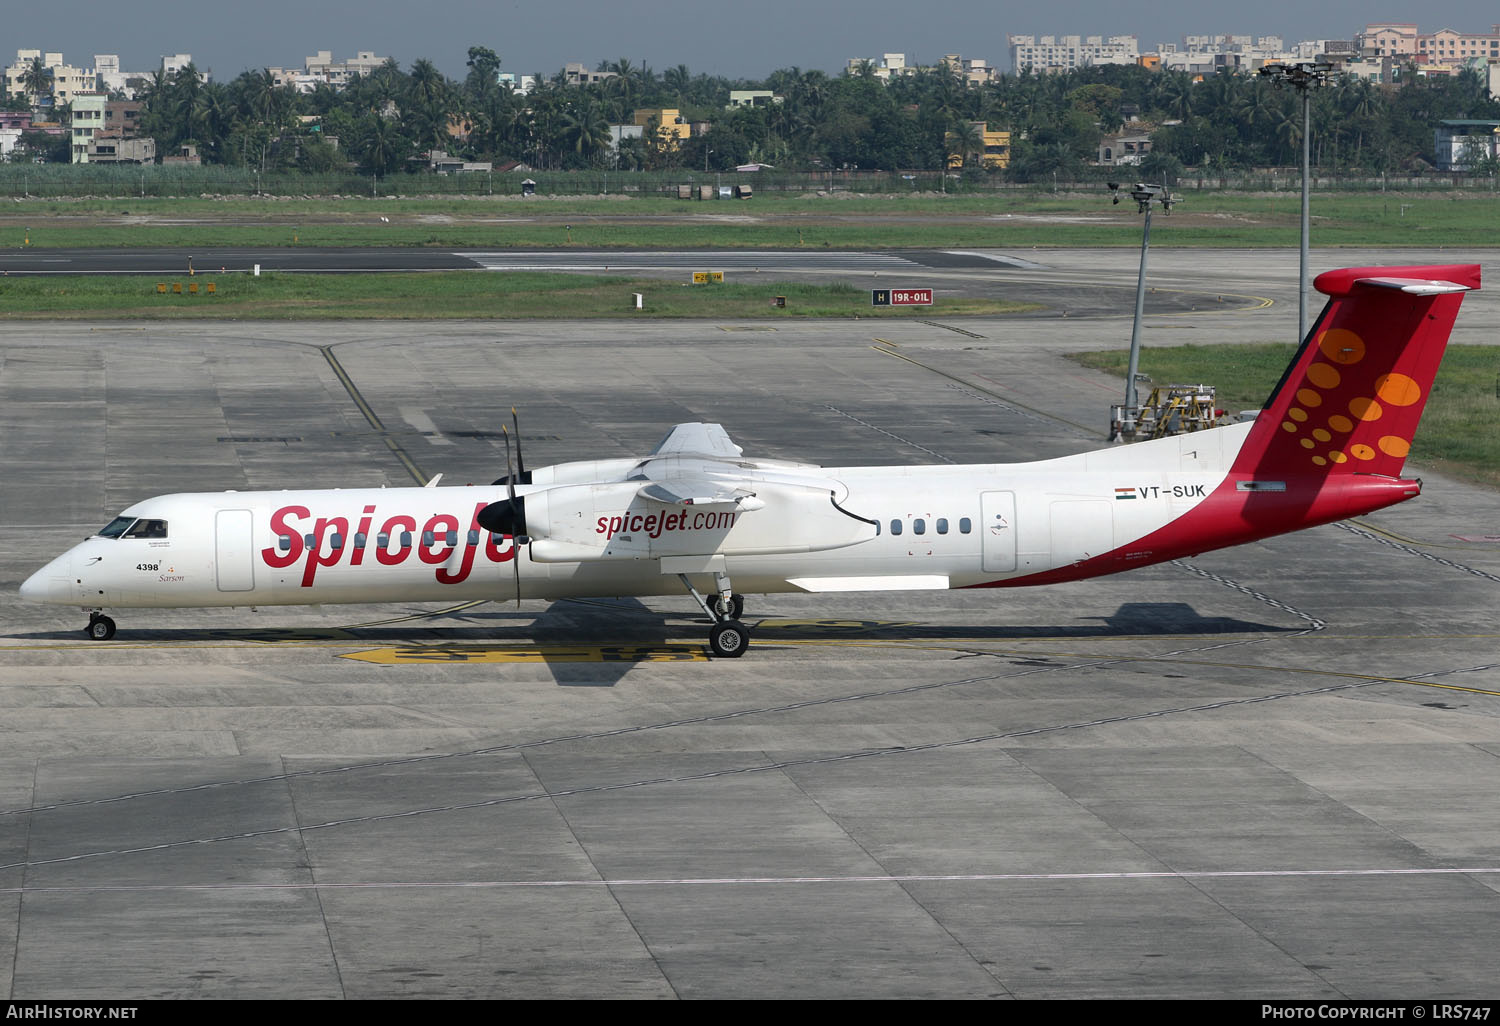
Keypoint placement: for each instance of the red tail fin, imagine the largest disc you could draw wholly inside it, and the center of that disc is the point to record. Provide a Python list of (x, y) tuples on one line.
[(1351, 400)]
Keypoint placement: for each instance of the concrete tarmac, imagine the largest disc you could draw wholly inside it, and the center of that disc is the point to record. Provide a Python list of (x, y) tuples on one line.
[(1264, 773)]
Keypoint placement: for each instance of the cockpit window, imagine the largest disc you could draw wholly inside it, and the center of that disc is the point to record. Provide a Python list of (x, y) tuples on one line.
[(116, 527), (147, 529)]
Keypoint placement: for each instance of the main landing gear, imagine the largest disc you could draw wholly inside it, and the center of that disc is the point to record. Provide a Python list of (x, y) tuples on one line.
[(100, 628), (728, 637)]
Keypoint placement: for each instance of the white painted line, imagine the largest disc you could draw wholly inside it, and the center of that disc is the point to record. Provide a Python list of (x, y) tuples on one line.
[(743, 881)]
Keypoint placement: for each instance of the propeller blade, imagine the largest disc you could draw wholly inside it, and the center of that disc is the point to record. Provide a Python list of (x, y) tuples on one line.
[(514, 511), (520, 460)]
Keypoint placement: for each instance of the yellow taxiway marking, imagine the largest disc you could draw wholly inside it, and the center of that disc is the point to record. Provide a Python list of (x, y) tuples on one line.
[(531, 654)]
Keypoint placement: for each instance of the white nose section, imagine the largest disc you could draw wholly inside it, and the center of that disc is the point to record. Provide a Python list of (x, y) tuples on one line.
[(53, 583)]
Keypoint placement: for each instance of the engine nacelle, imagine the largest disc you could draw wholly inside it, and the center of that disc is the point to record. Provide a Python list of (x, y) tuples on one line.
[(575, 523), (584, 472)]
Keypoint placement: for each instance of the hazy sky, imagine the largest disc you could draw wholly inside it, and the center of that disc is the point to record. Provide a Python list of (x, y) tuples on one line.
[(737, 39)]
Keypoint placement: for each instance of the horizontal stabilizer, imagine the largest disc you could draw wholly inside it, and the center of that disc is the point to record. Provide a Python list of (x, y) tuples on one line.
[(1415, 286)]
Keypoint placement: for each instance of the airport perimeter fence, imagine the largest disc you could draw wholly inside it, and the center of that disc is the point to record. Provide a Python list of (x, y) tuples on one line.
[(23, 182)]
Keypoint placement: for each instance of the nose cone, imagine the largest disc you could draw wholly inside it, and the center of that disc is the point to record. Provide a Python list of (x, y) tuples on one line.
[(53, 583)]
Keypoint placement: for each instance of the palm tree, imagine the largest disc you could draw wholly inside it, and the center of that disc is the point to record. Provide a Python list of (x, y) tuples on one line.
[(426, 82), (37, 81), (383, 144), (585, 132), (965, 140), (677, 80)]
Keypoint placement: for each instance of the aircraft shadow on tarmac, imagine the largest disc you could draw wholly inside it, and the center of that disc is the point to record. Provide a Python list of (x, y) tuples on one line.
[(628, 622), (595, 643)]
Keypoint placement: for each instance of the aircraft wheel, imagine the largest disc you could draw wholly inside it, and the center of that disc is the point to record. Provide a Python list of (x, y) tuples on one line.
[(729, 639), (736, 607), (101, 628)]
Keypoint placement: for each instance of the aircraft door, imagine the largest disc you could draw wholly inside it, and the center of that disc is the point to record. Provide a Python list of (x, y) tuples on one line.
[(234, 549), (997, 530)]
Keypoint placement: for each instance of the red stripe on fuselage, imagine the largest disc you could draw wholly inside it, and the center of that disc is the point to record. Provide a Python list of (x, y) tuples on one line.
[(1229, 516)]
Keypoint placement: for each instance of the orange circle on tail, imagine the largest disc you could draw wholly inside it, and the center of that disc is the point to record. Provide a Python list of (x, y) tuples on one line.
[(1323, 376), (1365, 408), (1391, 445), (1397, 389), (1342, 346)]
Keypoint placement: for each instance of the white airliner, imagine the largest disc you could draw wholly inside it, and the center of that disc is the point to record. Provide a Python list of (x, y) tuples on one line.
[(697, 514)]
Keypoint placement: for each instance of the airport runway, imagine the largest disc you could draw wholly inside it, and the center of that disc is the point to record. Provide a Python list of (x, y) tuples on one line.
[(1185, 285), (1264, 773)]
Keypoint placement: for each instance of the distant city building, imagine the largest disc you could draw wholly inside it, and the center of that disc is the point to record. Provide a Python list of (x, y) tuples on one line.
[(577, 74), (443, 163), (322, 69), (1462, 144), (65, 80), (172, 63), (1388, 39), (889, 66), (1449, 46), (112, 150), (994, 151), (619, 133), (1126, 148), (973, 70), (752, 97), (673, 125), (115, 81), (1067, 53), (1200, 55), (522, 84), (12, 124), (86, 121)]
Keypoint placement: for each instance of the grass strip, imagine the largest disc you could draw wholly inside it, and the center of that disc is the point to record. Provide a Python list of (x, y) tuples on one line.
[(1008, 221)]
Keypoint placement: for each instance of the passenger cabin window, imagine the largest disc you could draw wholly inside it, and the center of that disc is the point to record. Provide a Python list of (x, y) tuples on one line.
[(965, 525), (116, 527), (919, 526), (147, 529), (895, 527), (284, 542), (942, 525), (359, 539)]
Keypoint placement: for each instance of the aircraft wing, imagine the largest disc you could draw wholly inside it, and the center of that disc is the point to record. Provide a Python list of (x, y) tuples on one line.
[(696, 465), (697, 439), (687, 489)]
